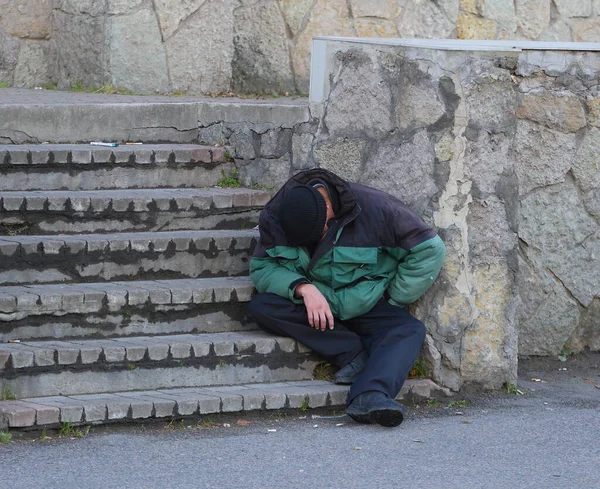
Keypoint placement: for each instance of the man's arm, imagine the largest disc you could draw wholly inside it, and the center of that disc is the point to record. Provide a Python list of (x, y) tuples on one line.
[(420, 253)]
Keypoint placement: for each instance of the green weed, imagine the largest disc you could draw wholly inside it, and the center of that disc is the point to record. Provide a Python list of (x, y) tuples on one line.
[(432, 403), (172, 425), (7, 395), (50, 86), (5, 437), (4, 84), (206, 423), (323, 371), (304, 405), (512, 389), (564, 353), (112, 90), (459, 404), (420, 369), (230, 181), (67, 429), (77, 86)]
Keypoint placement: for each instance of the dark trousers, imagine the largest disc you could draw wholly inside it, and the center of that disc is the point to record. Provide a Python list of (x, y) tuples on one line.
[(391, 336)]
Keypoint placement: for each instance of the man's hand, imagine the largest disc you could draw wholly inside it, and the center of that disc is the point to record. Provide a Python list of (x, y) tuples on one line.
[(317, 307)]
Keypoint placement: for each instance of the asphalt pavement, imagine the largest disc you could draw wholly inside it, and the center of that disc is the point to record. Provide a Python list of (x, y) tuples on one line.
[(546, 436)]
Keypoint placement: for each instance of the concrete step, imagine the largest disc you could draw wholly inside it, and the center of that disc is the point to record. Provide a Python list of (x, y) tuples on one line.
[(48, 368), (64, 117), (85, 167), (99, 310), (108, 211), (125, 256), (167, 404)]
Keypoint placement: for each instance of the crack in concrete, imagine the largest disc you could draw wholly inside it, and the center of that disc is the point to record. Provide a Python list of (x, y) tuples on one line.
[(566, 289)]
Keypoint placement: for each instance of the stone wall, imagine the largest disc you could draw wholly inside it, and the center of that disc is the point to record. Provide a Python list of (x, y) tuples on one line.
[(498, 150), (199, 46)]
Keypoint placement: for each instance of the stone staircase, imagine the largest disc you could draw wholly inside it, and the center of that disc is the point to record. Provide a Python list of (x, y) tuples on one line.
[(124, 277), (123, 282)]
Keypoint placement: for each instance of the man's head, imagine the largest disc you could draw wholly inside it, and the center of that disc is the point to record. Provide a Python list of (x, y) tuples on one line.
[(304, 213)]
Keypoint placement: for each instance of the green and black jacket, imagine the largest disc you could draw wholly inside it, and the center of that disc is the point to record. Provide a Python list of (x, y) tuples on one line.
[(374, 246)]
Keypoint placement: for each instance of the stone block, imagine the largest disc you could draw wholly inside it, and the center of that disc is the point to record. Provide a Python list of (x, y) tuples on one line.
[(542, 299), (163, 408), (53, 247), (223, 348), (543, 156), (586, 167), (36, 203), (68, 356), (8, 303), (137, 56), (79, 204), (28, 19), (208, 404), (328, 18), (17, 414), (586, 30), (261, 57), (294, 12), (566, 238), (287, 345), (317, 397), (71, 410), (160, 296), (101, 155), (21, 357), (89, 354), (472, 27), (4, 357), (407, 172), (338, 395), (94, 411), (502, 11), (230, 402), (384, 9), (275, 400), (39, 156), (561, 111), (205, 65), (569, 8), (44, 357), (27, 302), (224, 201), (45, 415), (533, 16), (425, 20), (264, 346), (93, 300), (342, 156), (361, 89), (180, 349), (241, 200), (12, 203), (253, 401)]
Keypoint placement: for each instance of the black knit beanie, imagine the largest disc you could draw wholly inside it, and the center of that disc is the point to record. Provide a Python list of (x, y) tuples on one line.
[(302, 215)]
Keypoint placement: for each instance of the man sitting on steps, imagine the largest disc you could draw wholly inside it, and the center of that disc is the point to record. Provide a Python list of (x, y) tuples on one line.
[(334, 267)]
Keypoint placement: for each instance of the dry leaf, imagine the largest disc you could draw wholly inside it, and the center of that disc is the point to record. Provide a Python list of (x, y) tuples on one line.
[(243, 422)]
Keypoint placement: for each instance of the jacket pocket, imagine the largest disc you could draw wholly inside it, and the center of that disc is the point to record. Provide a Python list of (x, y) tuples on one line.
[(354, 255), (352, 264)]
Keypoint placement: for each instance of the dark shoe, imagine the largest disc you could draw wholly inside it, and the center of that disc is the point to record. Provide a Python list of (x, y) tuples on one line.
[(349, 373), (376, 407)]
